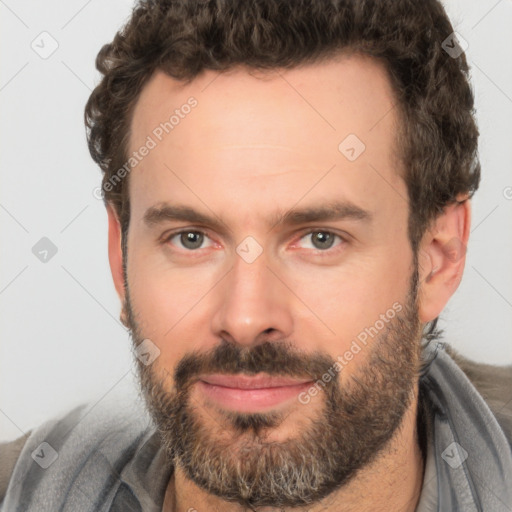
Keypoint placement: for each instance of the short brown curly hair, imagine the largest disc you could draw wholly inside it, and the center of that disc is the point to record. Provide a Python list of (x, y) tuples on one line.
[(437, 135)]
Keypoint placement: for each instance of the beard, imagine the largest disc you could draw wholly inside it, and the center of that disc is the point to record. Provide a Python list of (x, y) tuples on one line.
[(229, 454)]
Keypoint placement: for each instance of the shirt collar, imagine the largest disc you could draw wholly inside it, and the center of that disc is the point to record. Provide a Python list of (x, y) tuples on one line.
[(469, 460), (149, 473)]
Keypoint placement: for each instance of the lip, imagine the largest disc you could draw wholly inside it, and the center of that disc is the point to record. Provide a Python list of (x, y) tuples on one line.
[(250, 393), (251, 381)]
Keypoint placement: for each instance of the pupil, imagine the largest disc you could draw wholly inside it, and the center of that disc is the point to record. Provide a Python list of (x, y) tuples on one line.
[(325, 239), (192, 239)]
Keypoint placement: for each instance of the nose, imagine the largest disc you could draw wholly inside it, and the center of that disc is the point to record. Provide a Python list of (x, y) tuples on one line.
[(253, 304)]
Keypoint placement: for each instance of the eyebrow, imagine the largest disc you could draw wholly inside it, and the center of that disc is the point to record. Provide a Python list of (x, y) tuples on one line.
[(333, 211)]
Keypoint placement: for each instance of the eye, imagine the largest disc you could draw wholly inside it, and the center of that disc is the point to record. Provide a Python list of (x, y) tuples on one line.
[(192, 240), (189, 239), (321, 240)]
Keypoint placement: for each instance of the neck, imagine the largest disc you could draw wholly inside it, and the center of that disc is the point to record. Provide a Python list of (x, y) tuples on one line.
[(393, 481)]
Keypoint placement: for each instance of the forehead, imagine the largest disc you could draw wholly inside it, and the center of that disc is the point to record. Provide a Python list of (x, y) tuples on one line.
[(261, 130)]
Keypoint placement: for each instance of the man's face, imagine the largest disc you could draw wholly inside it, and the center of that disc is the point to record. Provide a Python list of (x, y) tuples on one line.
[(244, 294)]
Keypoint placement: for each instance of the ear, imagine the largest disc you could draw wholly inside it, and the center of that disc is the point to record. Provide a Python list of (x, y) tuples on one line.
[(115, 254), (441, 258)]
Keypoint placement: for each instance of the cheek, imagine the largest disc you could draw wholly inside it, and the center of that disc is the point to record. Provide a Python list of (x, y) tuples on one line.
[(165, 299), (344, 300), (164, 290), (170, 305)]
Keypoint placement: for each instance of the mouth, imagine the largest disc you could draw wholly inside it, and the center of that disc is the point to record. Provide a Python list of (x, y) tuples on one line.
[(250, 393)]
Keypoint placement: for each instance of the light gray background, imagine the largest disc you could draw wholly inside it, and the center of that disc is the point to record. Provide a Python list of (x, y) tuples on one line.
[(61, 339)]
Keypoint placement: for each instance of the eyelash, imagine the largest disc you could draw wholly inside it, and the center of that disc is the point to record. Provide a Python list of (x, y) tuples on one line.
[(328, 251)]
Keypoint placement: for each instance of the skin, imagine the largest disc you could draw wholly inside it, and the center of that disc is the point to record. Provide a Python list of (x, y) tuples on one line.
[(257, 145)]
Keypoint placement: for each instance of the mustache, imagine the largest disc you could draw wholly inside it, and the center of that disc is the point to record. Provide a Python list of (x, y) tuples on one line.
[(274, 358)]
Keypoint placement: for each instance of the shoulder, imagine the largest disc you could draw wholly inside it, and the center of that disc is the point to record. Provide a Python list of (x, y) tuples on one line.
[(88, 440), (493, 382), (12, 452)]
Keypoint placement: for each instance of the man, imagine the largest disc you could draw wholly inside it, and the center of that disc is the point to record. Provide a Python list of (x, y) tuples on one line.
[(288, 191)]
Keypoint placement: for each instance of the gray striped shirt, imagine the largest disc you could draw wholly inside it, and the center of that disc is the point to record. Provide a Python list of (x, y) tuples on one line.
[(108, 457)]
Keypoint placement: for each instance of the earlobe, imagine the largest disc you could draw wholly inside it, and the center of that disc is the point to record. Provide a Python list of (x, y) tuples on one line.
[(115, 255), (442, 257)]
